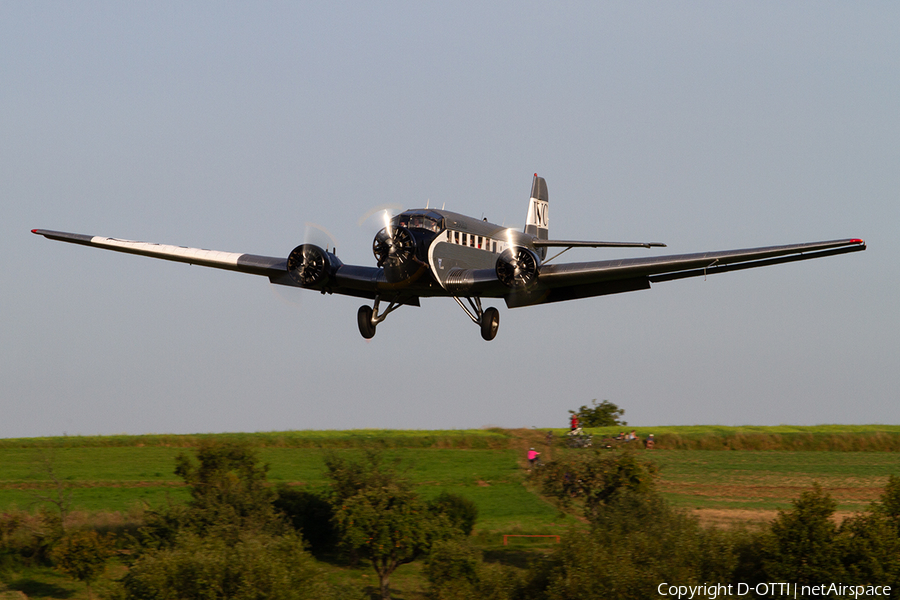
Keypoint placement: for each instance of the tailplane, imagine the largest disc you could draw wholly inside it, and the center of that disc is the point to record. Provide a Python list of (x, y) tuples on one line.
[(538, 221)]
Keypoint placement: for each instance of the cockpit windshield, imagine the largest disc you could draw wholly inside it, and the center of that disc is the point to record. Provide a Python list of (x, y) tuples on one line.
[(428, 222)]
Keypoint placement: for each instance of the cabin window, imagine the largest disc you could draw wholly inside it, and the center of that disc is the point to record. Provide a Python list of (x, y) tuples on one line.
[(494, 246), (471, 241), (455, 237), (479, 241)]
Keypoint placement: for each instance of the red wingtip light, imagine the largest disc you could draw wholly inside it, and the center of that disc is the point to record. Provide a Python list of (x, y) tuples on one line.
[(535, 174), (34, 231), (857, 241)]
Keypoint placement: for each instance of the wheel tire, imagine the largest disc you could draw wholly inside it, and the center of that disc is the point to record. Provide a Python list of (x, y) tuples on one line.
[(364, 320), (490, 322)]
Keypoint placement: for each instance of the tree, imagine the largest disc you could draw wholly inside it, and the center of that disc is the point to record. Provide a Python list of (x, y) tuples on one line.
[(802, 546), (888, 503), (605, 414), (379, 517), (595, 478), (82, 555), (229, 493), (60, 497), (869, 549), (636, 541)]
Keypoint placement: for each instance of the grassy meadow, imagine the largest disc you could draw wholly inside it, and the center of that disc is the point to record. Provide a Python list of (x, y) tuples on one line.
[(701, 467), (724, 475)]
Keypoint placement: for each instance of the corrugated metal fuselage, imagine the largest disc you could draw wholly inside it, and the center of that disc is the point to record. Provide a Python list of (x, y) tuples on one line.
[(462, 252)]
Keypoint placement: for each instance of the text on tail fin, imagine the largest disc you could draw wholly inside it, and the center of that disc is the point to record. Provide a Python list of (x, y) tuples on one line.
[(538, 221)]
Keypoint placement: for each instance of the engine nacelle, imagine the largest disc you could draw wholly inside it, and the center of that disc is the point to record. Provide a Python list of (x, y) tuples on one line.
[(395, 250), (518, 267), (394, 246), (311, 266)]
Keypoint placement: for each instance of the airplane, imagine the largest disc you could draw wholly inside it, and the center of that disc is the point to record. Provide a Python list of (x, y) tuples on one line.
[(425, 252)]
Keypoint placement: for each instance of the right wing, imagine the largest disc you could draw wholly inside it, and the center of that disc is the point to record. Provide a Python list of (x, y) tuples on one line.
[(349, 280), (558, 282)]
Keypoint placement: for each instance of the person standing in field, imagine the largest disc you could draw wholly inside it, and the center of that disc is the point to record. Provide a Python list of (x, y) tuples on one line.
[(533, 457), (574, 422)]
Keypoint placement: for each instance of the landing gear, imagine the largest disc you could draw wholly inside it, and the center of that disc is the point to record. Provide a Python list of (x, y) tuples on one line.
[(488, 319), (368, 318), (364, 319), (490, 322)]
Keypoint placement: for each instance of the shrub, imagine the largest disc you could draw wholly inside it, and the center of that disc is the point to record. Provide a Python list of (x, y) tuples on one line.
[(452, 571), (636, 542), (256, 567), (309, 513), (461, 511), (455, 571), (595, 478), (83, 555), (801, 546)]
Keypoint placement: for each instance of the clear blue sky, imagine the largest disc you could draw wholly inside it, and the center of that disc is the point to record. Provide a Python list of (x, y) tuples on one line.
[(227, 125)]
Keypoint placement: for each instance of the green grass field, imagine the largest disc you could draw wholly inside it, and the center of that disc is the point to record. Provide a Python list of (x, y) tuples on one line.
[(743, 479), (110, 477), (117, 472), (116, 478)]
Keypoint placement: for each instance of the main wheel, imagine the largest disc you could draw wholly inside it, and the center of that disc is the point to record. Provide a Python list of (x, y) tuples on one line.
[(364, 320), (490, 322)]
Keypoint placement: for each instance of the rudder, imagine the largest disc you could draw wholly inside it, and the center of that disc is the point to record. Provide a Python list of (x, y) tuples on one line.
[(538, 221)]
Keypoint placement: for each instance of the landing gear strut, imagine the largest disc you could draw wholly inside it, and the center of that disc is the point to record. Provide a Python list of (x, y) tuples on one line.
[(368, 318), (488, 318)]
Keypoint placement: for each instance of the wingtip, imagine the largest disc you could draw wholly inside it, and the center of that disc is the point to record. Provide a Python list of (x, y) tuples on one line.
[(36, 231)]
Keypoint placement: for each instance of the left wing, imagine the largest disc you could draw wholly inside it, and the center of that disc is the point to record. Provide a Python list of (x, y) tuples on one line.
[(246, 263), (558, 282), (350, 280)]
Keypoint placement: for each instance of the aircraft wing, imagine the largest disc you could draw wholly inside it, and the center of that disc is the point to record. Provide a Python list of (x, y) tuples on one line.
[(350, 280), (558, 282)]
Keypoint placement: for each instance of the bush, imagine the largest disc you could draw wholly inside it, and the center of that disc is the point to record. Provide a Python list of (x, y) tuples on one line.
[(26, 538), (452, 571), (801, 546), (83, 555), (455, 571), (310, 514), (636, 542), (461, 511), (596, 478), (869, 550), (257, 567), (229, 492)]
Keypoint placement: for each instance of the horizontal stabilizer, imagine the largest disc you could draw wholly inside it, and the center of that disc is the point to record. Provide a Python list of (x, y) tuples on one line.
[(580, 244)]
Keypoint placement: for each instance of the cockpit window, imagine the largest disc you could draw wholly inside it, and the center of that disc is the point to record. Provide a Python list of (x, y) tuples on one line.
[(418, 222)]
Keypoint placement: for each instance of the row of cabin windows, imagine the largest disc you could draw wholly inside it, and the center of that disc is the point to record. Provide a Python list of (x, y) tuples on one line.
[(472, 240)]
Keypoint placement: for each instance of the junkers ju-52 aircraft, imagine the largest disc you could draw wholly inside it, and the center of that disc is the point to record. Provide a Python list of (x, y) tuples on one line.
[(422, 253)]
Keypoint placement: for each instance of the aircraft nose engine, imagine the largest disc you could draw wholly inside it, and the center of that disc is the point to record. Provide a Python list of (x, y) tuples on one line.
[(309, 265), (395, 250), (393, 247), (518, 267)]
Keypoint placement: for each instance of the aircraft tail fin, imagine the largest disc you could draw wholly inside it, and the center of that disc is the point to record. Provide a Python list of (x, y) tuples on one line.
[(538, 221)]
